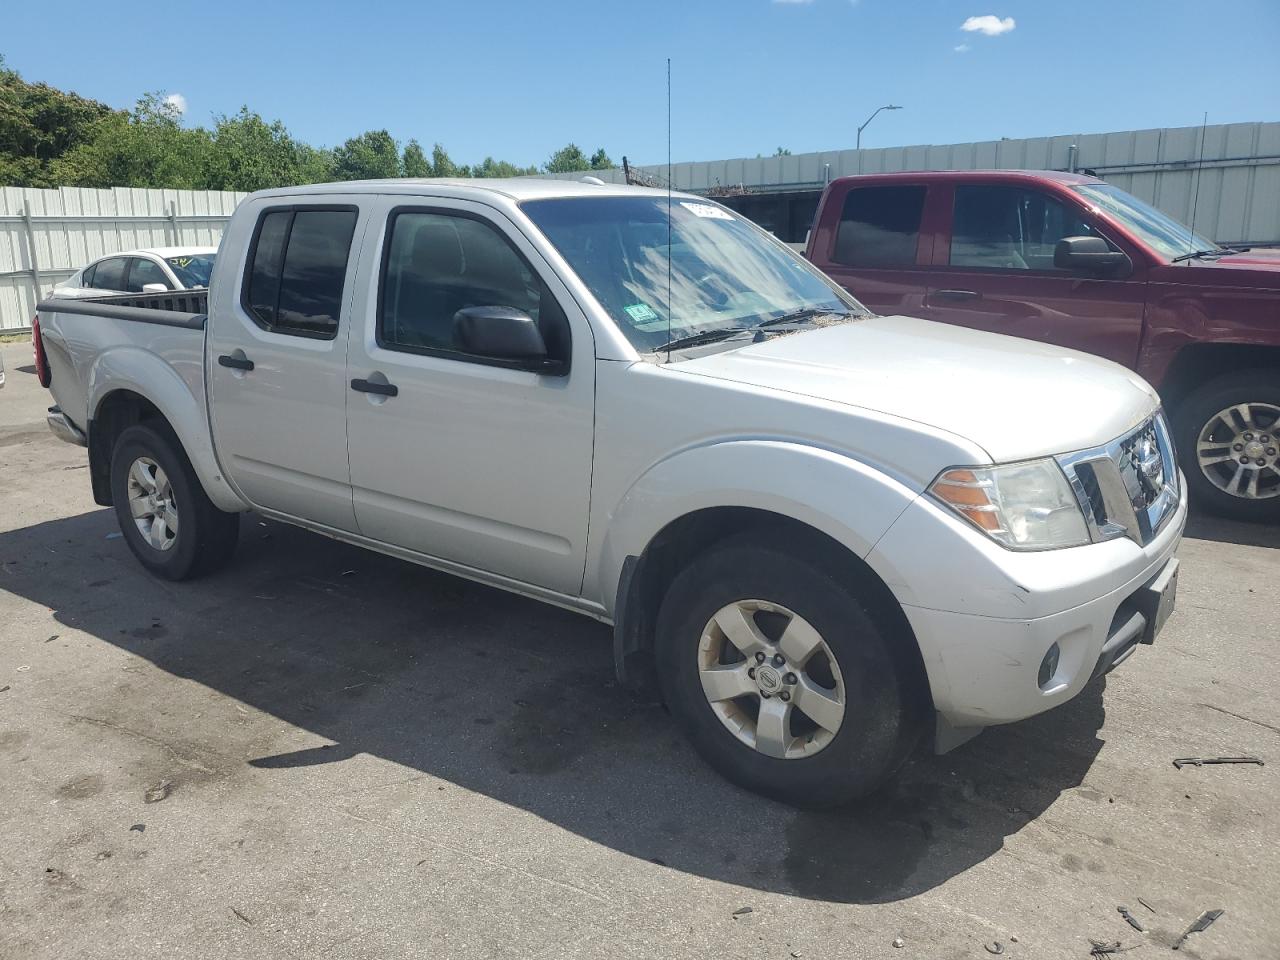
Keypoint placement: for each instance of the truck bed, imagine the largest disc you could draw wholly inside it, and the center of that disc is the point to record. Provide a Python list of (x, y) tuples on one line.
[(175, 308)]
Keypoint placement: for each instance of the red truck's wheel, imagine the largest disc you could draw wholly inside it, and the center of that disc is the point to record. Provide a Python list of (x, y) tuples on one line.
[(1228, 437), (168, 521), (783, 680)]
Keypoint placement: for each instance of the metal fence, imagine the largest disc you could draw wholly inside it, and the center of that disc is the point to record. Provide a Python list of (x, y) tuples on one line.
[(47, 235), (1238, 199)]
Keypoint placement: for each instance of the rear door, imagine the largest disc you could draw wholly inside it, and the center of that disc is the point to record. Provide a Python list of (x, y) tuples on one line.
[(870, 241), (472, 460), (995, 272), (277, 360)]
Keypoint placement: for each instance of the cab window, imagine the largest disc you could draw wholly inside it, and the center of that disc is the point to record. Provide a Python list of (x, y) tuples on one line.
[(298, 269), (880, 227), (1009, 228)]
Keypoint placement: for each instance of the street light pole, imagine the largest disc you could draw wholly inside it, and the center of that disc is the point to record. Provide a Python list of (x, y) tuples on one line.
[(887, 106)]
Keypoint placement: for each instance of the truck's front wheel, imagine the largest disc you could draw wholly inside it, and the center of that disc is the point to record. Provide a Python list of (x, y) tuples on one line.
[(782, 678), (167, 519), (1227, 436)]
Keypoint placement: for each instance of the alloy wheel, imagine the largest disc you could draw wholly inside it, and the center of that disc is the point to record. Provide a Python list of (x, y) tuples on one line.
[(1239, 450), (771, 679), (152, 505)]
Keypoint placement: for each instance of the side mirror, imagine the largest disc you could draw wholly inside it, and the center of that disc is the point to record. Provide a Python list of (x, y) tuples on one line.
[(1088, 255), (154, 288), (503, 333)]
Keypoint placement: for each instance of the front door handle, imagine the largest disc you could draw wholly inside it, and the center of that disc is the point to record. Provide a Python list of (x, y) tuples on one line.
[(382, 389), (957, 294), (235, 363)]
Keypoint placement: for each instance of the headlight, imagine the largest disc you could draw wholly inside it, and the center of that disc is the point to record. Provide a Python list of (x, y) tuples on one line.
[(1024, 506)]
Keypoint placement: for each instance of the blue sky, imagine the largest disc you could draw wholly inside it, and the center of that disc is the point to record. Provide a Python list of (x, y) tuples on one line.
[(517, 80)]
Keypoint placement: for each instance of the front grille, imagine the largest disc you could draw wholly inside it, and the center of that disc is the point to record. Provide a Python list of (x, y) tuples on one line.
[(1128, 487)]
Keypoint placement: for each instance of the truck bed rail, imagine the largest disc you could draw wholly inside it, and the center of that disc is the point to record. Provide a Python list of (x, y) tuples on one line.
[(176, 308)]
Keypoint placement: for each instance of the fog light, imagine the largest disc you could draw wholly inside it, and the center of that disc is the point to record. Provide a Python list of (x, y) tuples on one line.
[(1049, 666)]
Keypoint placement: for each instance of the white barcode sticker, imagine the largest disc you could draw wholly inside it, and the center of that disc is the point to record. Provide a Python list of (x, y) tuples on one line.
[(707, 210)]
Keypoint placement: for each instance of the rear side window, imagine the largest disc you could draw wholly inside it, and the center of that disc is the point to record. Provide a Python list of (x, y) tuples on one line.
[(297, 270), (146, 271), (880, 227), (110, 274), (86, 278)]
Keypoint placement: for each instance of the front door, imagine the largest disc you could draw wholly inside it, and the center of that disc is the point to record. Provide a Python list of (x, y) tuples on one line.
[(277, 361), (457, 456), (998, 275)]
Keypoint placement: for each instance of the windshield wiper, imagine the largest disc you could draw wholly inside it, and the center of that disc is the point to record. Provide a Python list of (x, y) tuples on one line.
[(798, 316), (698, 339), (1196, 254)]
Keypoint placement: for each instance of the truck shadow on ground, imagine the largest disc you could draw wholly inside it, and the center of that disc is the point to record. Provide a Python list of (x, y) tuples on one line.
[(515, 700)]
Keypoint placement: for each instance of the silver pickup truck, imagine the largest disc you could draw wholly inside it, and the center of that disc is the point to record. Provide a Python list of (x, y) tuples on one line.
[(817, 533)]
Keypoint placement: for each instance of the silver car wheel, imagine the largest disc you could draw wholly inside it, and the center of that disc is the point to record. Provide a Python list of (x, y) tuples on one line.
[(152, 505), (771, 679), (1239, 450)]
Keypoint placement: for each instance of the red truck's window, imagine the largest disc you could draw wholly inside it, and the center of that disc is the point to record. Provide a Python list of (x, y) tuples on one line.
[(298, 268), (879, 227), (1009, 228)]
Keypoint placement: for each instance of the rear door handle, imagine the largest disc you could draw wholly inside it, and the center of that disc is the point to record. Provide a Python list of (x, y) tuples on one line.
[(382, 389), (957, 294), (235, 363)]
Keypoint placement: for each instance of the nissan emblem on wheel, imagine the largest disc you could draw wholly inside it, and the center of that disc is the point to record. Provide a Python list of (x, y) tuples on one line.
[(819, 534)]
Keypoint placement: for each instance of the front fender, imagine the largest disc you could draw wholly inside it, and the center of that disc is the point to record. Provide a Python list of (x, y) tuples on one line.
[(841, 497), (175, 385)]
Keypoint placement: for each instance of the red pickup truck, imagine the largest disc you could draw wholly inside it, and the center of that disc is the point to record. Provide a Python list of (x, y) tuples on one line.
[(1075, 261)]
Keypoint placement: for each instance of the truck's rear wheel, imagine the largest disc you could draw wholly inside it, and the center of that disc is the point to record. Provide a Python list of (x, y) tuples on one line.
[(1228, 435), (167, 519), (782, 678)]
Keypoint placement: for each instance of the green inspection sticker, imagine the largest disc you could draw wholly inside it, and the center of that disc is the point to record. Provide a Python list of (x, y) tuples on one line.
[(641, 313)]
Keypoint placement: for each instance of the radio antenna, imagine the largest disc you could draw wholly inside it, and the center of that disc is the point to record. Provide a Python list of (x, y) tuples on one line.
[(1195, 199), (670, 305)]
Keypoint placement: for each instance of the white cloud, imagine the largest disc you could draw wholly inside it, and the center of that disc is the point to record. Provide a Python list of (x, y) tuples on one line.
[(795, 3), (177, 102), (990, 25), (961, 48)]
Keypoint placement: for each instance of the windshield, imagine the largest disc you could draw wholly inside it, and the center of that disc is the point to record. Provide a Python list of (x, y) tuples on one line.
[(193, 270), (725, 273), (1159, 230)]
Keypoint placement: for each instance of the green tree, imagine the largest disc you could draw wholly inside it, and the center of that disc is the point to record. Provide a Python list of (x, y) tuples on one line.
[(145, 148), (600, 161), (371, 156), (415, 162), (247, 153), (782, 152), (500, 168), (442, 166), (38, 125), (567, 159)]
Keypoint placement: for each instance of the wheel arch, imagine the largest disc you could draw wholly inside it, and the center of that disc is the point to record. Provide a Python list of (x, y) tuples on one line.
[(797, 514), (1196, 364), (129, 386)]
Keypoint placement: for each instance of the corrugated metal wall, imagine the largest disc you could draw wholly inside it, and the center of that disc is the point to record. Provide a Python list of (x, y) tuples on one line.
[(50, 234), (1239, 184)]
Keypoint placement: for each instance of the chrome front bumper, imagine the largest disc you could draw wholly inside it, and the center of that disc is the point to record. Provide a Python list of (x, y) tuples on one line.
[(64, 429)]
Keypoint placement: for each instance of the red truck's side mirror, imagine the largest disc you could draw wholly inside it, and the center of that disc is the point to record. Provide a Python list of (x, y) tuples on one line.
[(1089, 255)]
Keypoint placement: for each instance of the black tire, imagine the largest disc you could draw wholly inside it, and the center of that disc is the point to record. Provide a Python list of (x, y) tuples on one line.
[(206, 536), (883, 710), (1194, 414)]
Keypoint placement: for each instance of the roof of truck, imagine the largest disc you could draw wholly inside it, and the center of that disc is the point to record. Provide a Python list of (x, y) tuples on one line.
[(515, 188), (1060, 175)]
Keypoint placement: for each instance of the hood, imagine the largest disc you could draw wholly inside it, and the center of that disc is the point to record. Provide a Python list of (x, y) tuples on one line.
[(1015, 398), (1265, 258)]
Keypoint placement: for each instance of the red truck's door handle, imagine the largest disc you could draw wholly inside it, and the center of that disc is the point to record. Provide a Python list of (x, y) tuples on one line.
[(235, 363), (957, 294)]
